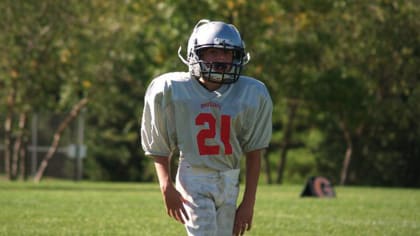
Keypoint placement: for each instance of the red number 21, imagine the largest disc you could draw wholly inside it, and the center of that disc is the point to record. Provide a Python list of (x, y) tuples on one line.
[(210, 133)]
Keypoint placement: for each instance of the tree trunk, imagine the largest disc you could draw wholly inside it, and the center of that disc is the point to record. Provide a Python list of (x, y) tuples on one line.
[(7, 142), (57, 136), (347, 157), (292, 105), (267, 168), (22, 155), (17, 146), (8, 132)]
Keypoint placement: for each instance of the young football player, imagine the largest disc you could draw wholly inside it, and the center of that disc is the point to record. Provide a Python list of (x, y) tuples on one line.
[(210, 116)]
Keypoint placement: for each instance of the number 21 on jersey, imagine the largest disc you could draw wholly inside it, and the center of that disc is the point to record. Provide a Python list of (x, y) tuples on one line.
[(211, 133)]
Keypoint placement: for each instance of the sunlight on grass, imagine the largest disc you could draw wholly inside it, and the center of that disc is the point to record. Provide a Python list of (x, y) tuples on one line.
[(86, 208)]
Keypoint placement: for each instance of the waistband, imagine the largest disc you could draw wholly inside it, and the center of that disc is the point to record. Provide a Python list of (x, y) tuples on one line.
[(186, 169)]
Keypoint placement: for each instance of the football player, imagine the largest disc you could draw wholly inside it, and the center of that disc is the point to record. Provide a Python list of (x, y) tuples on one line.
[(211, 116)]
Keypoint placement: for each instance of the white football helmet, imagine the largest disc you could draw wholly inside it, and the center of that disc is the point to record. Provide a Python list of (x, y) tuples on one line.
[(215, 34)]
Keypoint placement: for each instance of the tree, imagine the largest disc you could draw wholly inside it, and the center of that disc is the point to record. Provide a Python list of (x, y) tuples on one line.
[(50, 57), (343, 70), (374, 53)]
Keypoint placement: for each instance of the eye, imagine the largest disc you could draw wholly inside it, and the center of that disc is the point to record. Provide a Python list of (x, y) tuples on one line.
[(228, 52), (213, 52)]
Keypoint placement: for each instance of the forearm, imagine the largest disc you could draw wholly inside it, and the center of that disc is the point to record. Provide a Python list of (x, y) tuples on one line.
[(253, 164), (245, 211), (163, 172), (172, 198)]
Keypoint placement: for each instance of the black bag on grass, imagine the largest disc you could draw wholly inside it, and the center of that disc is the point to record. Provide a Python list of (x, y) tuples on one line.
[(318, 186)]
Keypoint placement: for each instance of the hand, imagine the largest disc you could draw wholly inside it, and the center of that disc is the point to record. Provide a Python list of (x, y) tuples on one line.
[(174, 204), (243, 218)]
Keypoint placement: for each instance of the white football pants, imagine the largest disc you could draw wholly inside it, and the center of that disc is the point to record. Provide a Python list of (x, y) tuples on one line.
[(211, 196)]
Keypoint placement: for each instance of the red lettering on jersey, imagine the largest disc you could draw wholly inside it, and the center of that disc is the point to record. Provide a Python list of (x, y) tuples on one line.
[(210, 133), (204, 134), (225, 133), (210, 104)]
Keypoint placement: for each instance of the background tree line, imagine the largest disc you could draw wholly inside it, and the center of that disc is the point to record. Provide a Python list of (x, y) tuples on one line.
[(343, 76)]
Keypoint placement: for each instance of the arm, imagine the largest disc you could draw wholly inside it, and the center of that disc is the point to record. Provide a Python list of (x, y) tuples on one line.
[(172, 198), (245, 211)]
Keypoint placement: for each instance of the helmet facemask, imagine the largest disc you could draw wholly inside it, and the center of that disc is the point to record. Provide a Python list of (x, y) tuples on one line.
[(219, 72), (219, 35)]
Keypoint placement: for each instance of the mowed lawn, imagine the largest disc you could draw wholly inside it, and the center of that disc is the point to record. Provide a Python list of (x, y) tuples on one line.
[(87, 208)]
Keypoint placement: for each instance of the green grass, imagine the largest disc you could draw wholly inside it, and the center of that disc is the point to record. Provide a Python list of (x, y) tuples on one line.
[(67, 208)]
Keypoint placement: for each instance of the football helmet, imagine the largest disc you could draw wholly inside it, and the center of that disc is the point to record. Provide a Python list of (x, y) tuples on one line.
[(215, 34)]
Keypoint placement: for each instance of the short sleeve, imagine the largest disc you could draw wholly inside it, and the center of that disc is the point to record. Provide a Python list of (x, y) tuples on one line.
[(258, 128), (155, 138)]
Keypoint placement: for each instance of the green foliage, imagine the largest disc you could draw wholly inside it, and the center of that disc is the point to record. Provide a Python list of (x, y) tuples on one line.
[(378, 55), (349, 65)]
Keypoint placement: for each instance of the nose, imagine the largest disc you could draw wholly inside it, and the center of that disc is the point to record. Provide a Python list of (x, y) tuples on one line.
[(218, 66), (222, 57)]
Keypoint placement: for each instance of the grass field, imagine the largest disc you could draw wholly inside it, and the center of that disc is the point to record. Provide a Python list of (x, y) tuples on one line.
[(85, 208)]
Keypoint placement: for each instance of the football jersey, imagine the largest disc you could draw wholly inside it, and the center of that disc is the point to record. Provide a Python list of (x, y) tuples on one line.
[(209, 129)]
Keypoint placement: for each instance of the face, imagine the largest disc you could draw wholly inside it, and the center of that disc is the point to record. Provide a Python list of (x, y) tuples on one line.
[(217, 55)]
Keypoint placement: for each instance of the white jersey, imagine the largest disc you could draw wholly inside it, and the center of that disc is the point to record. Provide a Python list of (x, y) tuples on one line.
[(209, 129)]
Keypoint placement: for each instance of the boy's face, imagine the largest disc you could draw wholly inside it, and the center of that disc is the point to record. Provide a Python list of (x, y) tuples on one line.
[(221, 57)]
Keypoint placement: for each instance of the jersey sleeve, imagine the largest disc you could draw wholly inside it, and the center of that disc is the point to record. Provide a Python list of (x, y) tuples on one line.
[(258, 128), (155, 136)]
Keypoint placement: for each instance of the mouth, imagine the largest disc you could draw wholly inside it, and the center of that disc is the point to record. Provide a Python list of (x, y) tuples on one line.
[(220, 66)]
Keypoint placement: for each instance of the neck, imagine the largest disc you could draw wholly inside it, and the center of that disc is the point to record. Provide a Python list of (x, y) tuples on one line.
[(209, 85)]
